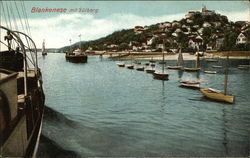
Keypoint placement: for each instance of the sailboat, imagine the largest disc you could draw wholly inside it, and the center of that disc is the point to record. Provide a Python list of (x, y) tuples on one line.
[(180, 62), (197, 65), (216, 94), (43, 49), (130, 66), (161, 75)]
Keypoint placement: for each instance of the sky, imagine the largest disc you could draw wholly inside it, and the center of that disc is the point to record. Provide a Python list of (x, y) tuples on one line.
[(58, 28)]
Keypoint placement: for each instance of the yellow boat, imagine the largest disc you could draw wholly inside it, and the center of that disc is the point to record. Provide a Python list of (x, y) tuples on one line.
[(216, 95), (191, 69)]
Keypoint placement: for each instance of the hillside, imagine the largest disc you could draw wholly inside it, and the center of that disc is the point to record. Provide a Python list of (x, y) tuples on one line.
[(203, 30)]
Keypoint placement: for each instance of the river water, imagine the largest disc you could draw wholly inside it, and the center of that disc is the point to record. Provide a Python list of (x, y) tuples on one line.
[(99, 109)]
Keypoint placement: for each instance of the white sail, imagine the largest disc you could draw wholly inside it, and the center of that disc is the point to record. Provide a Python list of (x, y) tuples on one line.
[(180, 59), (43, 48)]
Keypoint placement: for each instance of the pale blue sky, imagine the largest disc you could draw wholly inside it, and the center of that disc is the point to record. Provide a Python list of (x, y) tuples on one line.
[(58, 28)]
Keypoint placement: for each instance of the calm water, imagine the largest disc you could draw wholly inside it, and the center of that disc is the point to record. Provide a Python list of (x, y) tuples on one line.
[(99, 109)]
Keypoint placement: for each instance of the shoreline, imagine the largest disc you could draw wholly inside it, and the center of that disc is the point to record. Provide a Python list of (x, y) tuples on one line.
[(168, 56)]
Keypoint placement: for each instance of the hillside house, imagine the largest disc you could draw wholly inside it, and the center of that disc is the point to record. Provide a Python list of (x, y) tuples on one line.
[(241, 39), (112, 46), (195, 43), (206, 24), (189, 21), (217, 24), (219, 43)]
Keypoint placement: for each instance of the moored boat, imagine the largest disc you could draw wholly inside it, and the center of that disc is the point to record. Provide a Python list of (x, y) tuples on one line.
[(191, 85), (130, 66), (180, 62), (217, 66), (140, 68), (160, 75), (210, 72), (120, 64), (150, 71), (216, 95), (76, 57)]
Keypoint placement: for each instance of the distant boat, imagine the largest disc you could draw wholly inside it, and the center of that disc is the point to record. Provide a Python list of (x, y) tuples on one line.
[(217, 66), (244, 67), (211, 60), (161, 75), (76, 56), (216, 94), (120, 64), (152, 60), (150, 71), (43, 49), (147, 64), (210, 72), (193, 86), (130, 66), (180, 62), (197, 65), (140, 69)]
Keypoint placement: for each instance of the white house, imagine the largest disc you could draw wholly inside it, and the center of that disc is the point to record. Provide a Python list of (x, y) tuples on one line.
[(138, 29), (241, 39), (206, 24)]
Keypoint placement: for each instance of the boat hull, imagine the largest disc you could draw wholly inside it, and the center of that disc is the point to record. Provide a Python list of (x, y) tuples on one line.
[(140, 69), (130, 66), (160, 76), (120, 65), (77, 58), (191, 86), (210, 72), (150, 71), (191, 69), (174, 67), (217, 96)]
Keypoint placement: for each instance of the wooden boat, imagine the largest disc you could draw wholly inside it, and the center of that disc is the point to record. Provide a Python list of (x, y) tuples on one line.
[(152, 60), (180, 62), (174, 67), (21, 95), (191, 69), (197, 65), (191, 85), (130, 66), (210, 72), (211, 60), (43, 49), (161, 75), (216, 94), (150, 71), (120, 64), (244, 67), (152, 64), (147, 64), (216, 66), (189, 82), (140, 69)]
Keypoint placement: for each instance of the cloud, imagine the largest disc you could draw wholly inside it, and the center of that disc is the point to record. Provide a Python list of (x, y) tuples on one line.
[(59, 29)]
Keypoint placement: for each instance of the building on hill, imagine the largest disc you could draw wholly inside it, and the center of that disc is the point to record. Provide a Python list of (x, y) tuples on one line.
[(205, 11), (206, 24), (242, 38), (195, 43)]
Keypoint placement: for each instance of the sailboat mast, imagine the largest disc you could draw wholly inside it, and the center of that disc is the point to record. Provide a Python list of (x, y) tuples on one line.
[(163, 62), (226, 75), (80, 42)]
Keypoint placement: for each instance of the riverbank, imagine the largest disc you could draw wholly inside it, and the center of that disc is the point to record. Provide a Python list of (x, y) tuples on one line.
[(171, 56)]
